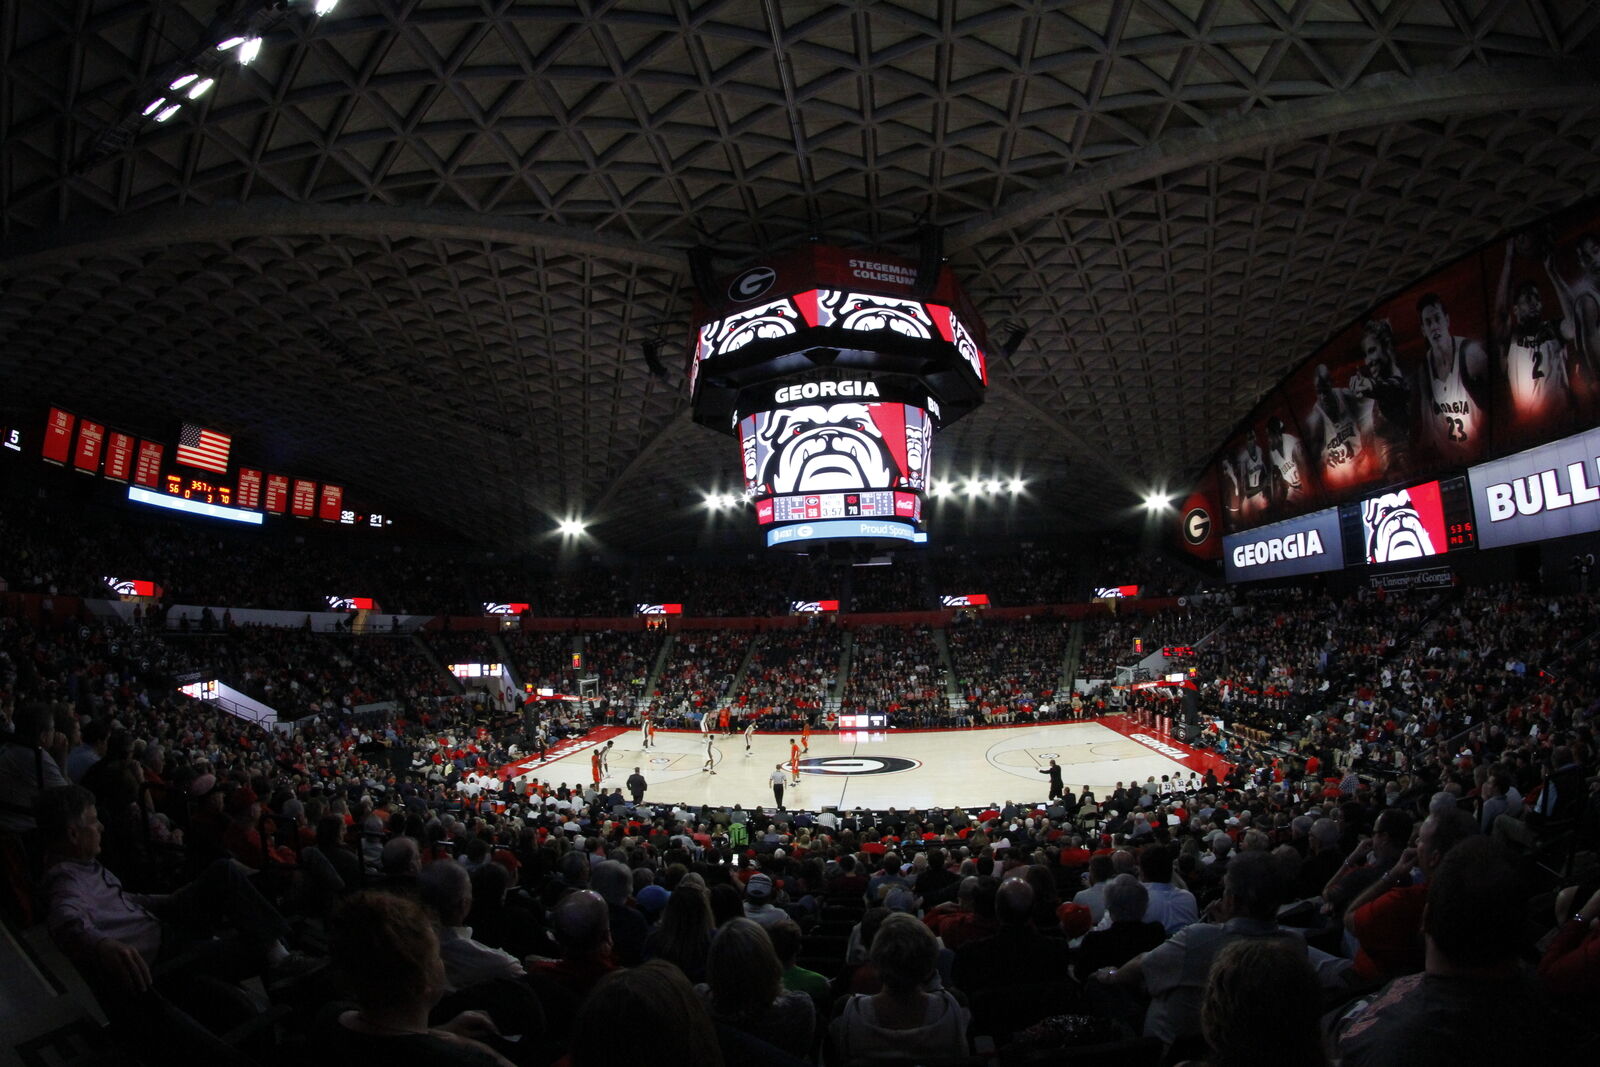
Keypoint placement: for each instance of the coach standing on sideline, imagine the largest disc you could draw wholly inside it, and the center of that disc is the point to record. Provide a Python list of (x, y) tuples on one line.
[(1054, 771), (778, 778), (636, 786)]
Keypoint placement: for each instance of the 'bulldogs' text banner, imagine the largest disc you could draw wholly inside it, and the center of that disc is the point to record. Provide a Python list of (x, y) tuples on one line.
[(1545, 492)]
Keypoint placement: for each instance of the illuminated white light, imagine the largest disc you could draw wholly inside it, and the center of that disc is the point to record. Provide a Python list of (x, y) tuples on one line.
[(201, 88), (249, 51), (231, 42), (153, 106), (168, 113), (974, 487), (993, 487), (571, 527), (181, 82), (1017, 485), (1157, 501), (324, 7), (194, 507)]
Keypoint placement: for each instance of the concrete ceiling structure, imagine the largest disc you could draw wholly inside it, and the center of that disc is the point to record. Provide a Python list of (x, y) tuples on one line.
[(417, 246)]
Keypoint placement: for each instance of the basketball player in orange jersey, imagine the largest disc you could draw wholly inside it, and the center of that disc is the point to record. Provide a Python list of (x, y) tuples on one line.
[(805, 737), (794, 762), (594, 766)]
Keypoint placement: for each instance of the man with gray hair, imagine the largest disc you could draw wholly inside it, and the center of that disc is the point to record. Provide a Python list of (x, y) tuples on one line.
[(614, 882), (1174, 974), (445, 888), (1125, 933)]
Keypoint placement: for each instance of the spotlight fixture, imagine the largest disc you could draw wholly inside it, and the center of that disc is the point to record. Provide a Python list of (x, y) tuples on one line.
[(1154, 501), (571, 527), (249, 50), (182, 80), (1017, 485), (153, 106), (201, 88), (167, 113), (231, 43), (324, 7)]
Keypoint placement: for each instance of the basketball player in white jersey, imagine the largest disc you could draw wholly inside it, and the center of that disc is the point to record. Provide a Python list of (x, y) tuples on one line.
[(1452, 386), (1253, 476), (711, 754), (1339, 425), (1535, 347), (1381, 381), (749, 732), (1583, 303), (1288, 466)]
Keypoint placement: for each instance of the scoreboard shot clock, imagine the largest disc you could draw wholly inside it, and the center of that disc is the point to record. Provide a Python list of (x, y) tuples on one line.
[(834, 370)]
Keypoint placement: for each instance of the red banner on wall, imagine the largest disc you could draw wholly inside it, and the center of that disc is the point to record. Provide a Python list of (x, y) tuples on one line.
[(304, 502), (91, 441), (249, 488), (119, 456), (58, 436), (147, 469), (277, 492), (332, 503)]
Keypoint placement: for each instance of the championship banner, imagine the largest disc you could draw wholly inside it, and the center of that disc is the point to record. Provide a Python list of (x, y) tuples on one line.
[(58, 436), (147, 469), (91, 440), (249, 488), (277, 492), (119, 456), (332, 503), (303, 504)]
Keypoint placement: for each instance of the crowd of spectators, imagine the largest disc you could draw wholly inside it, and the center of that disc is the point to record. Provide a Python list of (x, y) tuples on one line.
[(791, 669), (898, 670), (1007, 667), (699, 671), (1430, 909)]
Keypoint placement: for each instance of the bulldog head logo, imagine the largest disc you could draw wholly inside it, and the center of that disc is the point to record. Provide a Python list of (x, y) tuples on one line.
[(821, 448), (1395, 530)]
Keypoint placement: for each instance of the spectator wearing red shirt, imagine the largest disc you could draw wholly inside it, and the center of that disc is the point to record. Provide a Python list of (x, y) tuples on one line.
[(1386, 919)]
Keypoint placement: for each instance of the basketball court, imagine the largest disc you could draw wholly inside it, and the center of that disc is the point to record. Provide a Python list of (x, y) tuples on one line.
[(899, 768)]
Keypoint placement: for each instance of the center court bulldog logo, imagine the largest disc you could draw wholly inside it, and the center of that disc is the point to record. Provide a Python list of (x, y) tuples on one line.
[(1395, 530)]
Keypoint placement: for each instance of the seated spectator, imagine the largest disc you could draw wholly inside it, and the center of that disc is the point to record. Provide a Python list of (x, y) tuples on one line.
[(1386, 919), (745, 989), (683, 936), (663, 1022), (384, 949), (1094, 898), (758, 906), (1472, 1003), (1571, 964), (614, 882), (582, 927), (1174, 974), (116, 939), (445, 889), (786, 942), (30, 762), (1016, 954), (902, 1020), (1263, 1007), (1127, 934)]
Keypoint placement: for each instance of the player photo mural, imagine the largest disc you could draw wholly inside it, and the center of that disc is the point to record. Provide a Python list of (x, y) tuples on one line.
[(1535, 336), (1339, 428)]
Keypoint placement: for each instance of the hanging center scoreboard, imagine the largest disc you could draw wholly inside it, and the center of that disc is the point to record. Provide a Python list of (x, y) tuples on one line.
[(834, 370)]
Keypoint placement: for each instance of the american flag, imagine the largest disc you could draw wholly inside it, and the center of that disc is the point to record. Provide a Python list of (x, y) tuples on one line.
[(206, 449)]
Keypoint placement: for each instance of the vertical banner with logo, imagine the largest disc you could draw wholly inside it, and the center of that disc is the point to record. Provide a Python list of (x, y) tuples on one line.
[(147, 468), (277, 492), (249, 488), (119, 456), (332, 502), (58, 436), (91, 441), (303, 504)]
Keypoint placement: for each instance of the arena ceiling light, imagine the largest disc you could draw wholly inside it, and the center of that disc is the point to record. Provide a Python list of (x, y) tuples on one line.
[(571, 527), (167, 113), (1017, 485), (183, 81), (231, 43), (1154, 501), (324, 7), (153, 106), (249, 50), (201, 88)]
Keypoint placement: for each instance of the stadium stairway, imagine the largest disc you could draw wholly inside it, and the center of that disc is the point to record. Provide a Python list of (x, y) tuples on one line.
[(428, 654), (504, 653), (1072, 658), (660, 665), (952, 689), (842, 675), (744, 668)]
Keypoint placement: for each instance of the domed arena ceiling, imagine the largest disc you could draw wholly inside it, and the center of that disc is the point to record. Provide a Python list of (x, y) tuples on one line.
[(419, 246)]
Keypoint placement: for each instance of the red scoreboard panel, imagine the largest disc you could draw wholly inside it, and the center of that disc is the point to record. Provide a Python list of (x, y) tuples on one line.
[(119, 456), (304, 502), (277, 492)]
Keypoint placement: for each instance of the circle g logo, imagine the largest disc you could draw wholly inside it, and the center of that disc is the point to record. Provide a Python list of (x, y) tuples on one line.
[(856, 765)]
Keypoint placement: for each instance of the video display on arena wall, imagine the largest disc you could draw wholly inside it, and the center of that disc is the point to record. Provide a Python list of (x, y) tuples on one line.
[(1545, 492), (1495, 353)]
